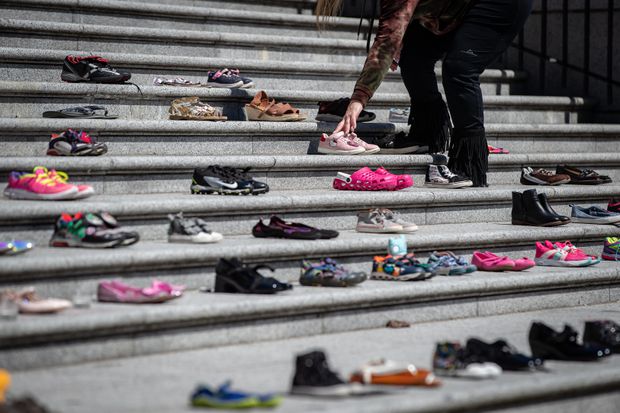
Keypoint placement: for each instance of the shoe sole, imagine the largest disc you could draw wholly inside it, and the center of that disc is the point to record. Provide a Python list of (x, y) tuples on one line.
[(547, 224), (535, 181), (185, 239), (379, 230), (69, 243), (326, 151), (201, 190), (450, 186), (600, 221), (327, 391), (409, 277), (237, 85), (15, 193), (555, 263)]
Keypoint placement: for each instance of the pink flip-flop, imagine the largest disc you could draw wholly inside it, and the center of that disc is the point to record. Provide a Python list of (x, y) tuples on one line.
[(487, 261)]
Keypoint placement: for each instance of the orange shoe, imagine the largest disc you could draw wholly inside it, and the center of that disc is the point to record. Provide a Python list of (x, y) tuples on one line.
[(390, 373), (5, 383)]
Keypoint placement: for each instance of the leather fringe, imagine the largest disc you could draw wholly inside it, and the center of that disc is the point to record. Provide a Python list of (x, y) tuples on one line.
[(469, 156)]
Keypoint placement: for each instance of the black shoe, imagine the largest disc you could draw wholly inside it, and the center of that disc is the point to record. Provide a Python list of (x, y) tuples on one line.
[(401, 144), (551, 345), (219, 180), (527, 210), (335, 110), (279, 228), (544, 201), (232, 276), (242, 174), (603, 333), (502, 354), (314, 378), (93, 69), (582, 176), (110, 224)]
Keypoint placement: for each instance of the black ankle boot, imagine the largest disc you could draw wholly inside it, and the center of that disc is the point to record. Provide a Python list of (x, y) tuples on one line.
[(534, 213), (544, 201), (469, 155), (518, 210)]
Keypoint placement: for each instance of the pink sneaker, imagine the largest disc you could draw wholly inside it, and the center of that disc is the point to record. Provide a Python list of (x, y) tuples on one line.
[(118, 292), (84, 191), (404, 181), (368, 147), (487, 261), (568, 246), (365, 180), (339, 144), (38, 186), (549, 255)]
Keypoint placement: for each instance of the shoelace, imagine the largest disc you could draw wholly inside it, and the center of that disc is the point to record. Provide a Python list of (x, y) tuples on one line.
[(447, 172)]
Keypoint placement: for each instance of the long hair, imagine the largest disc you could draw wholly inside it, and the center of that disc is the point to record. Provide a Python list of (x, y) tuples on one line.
[(326, 9)]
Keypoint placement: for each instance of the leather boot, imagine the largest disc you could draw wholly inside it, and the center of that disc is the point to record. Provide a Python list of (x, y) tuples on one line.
[(535, 214), (518, 210), (544, 201)]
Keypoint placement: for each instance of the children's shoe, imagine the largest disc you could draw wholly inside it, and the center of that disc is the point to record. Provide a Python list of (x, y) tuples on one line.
[(191, 230), (390, 373), (407, 227), (568, 246), (118, 292), (374, 221), (487, 261), (440, 176), (84, 191), (404, 181), (29, 302), (497, 151), (86, 231), (38, 186), (450, 258), (451, 360), (552, 256), (15, 247), (225, 398), (365, 180), (313, 377), (398, 115), (391, 269), (369, 148), (247, 82), (339, 144), (223, 79), (328, 273), (397, 246), (611, 249), (522, 264), (613, 205), (73, 143), (93, 69)]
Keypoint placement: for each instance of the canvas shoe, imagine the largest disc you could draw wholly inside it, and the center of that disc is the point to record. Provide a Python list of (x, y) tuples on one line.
[(190, 230), (550, 255), (395, 217), (440, 176), (223, 79), (593, 215), (313, 377), (339, 144), (530, 176), (374, 221), (38, 186)]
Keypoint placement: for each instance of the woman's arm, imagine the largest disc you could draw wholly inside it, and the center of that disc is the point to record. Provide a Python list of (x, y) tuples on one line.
[(393, 22)]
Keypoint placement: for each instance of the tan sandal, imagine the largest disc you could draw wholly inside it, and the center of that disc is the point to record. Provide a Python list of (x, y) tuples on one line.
[(262, 108), (191, 108)]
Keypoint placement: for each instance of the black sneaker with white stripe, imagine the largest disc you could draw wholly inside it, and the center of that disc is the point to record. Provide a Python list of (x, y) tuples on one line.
[(215, 179)]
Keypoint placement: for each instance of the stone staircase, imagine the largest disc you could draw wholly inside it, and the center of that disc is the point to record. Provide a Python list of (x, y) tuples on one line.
[(146, 175)]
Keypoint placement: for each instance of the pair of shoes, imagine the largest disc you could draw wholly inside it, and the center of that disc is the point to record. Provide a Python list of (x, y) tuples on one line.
[(233, 276), (562, 254), (80, 112), (216, 179), (118, 292), (549, 344), (593, 215), (391, 373), (400, 143), (602, 333), (192, 108), (15, 247), (44, 185), (192, 230), (582, 176), (328, 273), (497, 151), (532, 208), (87, 230), (487, 261), (400, 268), (93, 69), (263, 108), (225, 398), (438, 175), (384, 221), (334, 111), (530, 176), (448, 263), (341, 143), (73, 143), (365, 179), (611, 249), (451, 359), (28, 301), (228, 78), (278, 228)]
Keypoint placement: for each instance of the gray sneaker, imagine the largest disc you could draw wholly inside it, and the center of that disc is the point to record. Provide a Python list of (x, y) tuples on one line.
[(375, 221), (593, 215), (395, 217)]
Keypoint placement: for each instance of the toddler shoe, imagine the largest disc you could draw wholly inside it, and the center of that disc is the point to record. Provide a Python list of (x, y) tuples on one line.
[(487, 261), (339, 144)]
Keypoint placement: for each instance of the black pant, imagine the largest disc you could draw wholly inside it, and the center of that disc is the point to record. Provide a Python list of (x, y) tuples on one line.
[(484, 34)]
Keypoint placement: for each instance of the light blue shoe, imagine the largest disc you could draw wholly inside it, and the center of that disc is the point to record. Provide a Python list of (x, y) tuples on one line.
[(593, 215)]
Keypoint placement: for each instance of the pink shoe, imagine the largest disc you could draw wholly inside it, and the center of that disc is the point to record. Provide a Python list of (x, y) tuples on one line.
[(552, 256), (84, 191), (38, 186), (404, 181), (118, 292), (365, 180), (368, 147), (160, 286), (338, 144), (487, 261), (498, 151), (522, 264)]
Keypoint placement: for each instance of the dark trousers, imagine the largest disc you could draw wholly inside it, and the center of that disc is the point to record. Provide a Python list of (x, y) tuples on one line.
[(486, 31)]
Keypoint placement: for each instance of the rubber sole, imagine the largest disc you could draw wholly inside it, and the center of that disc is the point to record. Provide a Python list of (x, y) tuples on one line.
[(449, 186), (597, 221), (69, 243), (15, 193), (327, 151), (409, 277), (556, 263), (254, 114), (202, 190)]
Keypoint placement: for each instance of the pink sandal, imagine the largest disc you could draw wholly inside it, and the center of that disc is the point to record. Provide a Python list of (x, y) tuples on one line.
[(365, 180), (404, 181), (487, 261)]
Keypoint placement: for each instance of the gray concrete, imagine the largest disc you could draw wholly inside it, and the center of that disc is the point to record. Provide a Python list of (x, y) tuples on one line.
[(163, 382)]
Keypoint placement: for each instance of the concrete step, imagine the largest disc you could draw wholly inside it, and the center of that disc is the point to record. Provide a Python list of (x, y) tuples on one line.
[(201, 320), (148, 213), (111, 38), (129, 385), (44, 65), (165, 174), (30, 99), (272, 6), (170, 16), (29, 137), (62, 271)]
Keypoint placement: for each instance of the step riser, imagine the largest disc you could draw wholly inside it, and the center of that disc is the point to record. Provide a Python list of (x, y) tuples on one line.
[(230, 333), (300, 7)]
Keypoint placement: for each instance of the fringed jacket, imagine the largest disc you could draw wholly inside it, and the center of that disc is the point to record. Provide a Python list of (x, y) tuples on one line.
[(438, 16)]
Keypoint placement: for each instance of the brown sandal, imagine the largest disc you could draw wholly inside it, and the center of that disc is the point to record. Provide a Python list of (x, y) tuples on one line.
[(191, 108), (262, 108)]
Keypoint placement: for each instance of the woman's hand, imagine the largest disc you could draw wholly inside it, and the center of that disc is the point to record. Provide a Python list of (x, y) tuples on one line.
[(349, 120)]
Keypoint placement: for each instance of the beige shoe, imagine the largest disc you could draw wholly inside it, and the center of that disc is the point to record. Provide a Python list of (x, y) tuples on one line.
[(191, 108), (30, 303)]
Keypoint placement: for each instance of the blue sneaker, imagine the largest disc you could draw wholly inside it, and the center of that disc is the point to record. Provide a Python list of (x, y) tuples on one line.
[(593, 215), (224, 398), (447, 265)]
